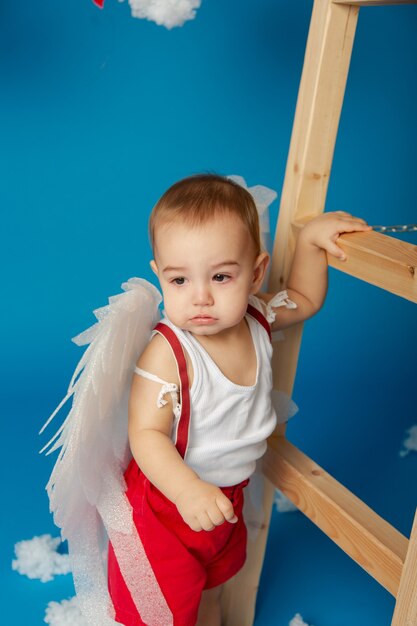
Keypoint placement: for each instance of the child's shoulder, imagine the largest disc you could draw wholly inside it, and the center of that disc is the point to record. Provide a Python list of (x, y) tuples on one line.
[(158, 359), (260, 302)]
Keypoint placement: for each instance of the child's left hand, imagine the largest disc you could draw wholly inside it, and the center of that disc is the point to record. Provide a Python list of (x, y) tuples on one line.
[(325, 229)]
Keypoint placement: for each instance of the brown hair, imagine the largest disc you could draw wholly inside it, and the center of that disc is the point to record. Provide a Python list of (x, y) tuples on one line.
[(199, 198)]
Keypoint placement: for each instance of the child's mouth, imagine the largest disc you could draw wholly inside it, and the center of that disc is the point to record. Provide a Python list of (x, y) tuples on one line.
[(203, 319)]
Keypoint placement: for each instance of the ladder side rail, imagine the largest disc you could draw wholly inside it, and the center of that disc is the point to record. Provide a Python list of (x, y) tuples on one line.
[(405, 613), (318, 109)]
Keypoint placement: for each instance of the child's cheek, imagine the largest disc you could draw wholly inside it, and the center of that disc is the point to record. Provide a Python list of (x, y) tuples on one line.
[(173, 304)]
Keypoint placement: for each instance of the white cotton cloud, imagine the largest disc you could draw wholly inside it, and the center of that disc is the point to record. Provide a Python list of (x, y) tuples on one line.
[(282, 503), (168, 13), (65, 613), (297, 620), (410, 443), (38, 558)]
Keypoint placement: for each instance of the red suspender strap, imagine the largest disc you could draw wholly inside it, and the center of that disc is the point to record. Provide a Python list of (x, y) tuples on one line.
[(260, 318), (184, 421)]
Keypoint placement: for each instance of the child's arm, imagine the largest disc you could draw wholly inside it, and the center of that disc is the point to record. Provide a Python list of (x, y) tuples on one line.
[(201, 504), (307, 282)]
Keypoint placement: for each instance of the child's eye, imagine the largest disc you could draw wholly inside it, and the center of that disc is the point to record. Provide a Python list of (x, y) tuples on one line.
[(220, 278), (178, 281)]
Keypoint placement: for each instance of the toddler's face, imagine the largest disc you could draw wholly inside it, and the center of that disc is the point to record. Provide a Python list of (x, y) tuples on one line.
[(207, 273)]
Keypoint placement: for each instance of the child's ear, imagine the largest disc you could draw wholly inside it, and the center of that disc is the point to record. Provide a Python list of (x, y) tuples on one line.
[(154, 267), (259, 271)]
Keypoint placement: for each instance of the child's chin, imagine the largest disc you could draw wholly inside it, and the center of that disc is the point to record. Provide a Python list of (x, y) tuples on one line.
[(204, 329)]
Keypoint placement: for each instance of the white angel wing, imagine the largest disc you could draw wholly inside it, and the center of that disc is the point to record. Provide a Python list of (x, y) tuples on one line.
[(86, 487), (263, 197)]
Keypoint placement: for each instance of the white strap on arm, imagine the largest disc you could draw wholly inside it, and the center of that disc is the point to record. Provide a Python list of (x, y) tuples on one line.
[(170, 388), (280, 299)]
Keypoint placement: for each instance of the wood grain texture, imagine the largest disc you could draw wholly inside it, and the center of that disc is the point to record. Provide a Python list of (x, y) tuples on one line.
[(405, 613), (365, 3), (380, 260), (369, 540)]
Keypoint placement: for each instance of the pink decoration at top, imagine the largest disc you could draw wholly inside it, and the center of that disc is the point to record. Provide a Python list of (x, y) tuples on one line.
[(99, 3)]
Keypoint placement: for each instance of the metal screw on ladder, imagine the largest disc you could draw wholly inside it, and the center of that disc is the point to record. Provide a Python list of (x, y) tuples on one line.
[(398, 228)]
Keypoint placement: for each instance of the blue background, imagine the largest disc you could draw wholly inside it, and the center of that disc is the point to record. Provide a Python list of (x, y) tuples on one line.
[(100, 113)]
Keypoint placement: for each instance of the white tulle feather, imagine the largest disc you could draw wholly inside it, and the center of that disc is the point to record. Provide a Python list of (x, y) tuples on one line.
[(87, 480)]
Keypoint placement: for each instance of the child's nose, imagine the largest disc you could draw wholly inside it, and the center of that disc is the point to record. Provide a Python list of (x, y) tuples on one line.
[(203, 296)]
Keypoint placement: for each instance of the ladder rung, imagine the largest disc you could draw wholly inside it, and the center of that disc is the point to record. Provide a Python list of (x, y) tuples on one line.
[(378, 259), (365, 3), (368, 539)]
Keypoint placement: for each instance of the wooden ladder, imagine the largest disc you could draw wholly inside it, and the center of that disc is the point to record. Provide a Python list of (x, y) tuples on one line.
[(372, 542)]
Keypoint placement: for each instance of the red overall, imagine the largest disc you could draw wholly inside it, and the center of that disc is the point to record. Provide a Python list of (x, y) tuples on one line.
[(184, 561)]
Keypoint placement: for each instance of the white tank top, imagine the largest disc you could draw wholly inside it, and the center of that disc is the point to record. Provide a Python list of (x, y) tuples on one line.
[(229, 423)]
